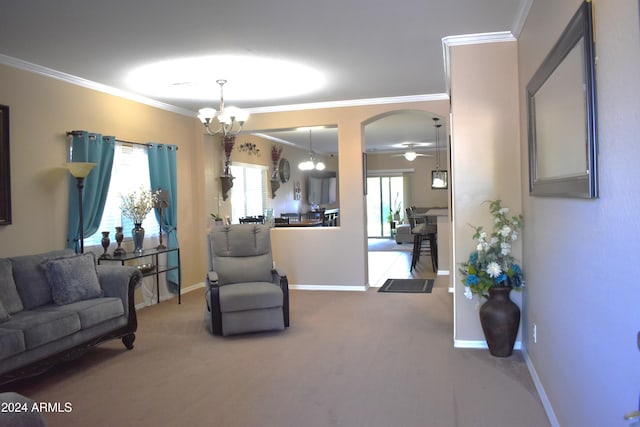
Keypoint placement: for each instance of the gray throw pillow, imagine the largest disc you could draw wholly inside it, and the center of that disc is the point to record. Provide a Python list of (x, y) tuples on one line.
[(73, 279)]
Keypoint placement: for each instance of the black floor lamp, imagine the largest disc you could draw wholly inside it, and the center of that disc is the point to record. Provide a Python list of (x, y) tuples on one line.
[(80, 170)]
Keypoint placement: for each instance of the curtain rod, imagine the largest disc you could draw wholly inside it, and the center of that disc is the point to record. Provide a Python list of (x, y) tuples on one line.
[(69, 133)]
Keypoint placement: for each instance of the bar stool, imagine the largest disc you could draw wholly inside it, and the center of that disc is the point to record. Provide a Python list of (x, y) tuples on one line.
[(424, 239)]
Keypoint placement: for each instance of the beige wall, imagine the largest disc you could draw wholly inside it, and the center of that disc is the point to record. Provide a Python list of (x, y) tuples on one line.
[(579, 255), (485, 156), (42, 110)]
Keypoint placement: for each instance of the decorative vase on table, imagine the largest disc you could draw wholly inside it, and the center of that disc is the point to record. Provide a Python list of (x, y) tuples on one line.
[(119, 251), (105, 245), (138, 238), (500, 320)]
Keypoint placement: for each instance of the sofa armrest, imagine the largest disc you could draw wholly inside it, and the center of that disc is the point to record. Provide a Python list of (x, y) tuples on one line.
[(120, 282)]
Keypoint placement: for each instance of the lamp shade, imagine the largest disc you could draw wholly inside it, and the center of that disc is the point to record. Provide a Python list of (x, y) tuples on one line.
[(80, 169), (206, 114)]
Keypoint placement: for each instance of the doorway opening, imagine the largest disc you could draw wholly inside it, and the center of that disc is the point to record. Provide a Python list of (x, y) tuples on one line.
[(385, 204)]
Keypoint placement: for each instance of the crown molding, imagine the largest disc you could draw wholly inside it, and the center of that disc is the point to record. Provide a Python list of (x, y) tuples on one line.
[(469, 39), (68, 78), (78, 81), (523, 13), (351, 103)]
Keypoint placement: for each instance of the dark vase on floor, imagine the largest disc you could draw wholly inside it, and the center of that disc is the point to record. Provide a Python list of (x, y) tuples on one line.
[(500, 320), (138, 238)]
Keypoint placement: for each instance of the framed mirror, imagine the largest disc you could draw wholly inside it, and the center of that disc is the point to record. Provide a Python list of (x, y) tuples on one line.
[(5, 173), (561, 108)]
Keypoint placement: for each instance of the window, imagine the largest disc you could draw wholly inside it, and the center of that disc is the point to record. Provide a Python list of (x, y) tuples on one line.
[(384, 198), (130, 171), (249, 193)]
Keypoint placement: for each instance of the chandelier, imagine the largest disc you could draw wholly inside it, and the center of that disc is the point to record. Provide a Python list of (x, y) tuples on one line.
[(311, 164), (229, 120)]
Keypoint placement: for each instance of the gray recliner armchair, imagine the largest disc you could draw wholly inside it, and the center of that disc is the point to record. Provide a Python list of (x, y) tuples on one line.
[(244, 292)]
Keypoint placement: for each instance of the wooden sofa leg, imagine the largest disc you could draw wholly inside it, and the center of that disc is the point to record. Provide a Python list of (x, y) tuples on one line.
[(128, 340)]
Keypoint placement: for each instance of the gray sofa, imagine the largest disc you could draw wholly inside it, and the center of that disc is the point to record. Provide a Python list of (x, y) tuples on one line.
[(55, 305)]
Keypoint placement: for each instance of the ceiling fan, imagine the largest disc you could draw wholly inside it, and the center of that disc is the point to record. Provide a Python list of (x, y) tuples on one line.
[(411, 154)]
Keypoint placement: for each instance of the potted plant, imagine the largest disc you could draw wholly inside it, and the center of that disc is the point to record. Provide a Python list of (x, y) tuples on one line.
[(491, 272), (217, 219)]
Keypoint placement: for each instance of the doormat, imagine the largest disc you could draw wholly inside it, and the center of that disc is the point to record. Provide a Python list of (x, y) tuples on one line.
[(416, 286)]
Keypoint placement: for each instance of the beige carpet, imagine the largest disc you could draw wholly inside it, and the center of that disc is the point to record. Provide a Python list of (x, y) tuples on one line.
[(349, 359)]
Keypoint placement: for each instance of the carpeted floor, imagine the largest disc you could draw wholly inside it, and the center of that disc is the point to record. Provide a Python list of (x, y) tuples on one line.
[(349, 359)]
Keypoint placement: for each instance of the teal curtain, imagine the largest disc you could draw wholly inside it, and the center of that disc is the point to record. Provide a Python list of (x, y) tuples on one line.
[(162, 175), (95, 148)]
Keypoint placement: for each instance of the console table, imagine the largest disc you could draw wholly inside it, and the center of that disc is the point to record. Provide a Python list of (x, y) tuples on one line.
[(154, 254)]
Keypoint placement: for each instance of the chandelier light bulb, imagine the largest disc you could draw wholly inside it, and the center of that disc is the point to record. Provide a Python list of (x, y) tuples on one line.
[(410, 155)]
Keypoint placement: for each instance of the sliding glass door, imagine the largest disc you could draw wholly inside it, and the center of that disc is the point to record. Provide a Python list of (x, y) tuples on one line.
[(384, 199)]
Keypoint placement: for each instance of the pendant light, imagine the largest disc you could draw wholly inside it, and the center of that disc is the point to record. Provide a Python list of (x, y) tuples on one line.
[(311, 164)]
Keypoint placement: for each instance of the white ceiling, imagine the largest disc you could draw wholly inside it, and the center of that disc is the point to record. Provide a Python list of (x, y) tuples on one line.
[(364, 49)]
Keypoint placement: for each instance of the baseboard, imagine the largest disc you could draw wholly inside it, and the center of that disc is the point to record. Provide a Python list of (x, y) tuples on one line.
[(182, 292), (480, 344), (546, 403), (327, 288)]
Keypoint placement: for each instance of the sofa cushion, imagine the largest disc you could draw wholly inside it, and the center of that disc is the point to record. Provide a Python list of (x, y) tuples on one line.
[(92, 311), (30, 280), (41, 326), (73, 278), (4, 314), (8, 292), (11, 342), (250, 296)]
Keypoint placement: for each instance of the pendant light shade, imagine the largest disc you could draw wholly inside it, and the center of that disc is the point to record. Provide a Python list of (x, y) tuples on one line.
[(311, 163)]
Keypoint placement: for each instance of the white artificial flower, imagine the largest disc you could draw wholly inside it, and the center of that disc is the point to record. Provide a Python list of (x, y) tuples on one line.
[(505, 248), (483, 235), (503, 211), (493, 269), (506, 230), (514, 236), (467, 292), (480, 247), (493, 241)]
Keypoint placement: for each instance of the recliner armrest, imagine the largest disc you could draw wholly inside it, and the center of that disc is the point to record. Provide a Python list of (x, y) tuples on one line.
[(278, 273), (212, 279)]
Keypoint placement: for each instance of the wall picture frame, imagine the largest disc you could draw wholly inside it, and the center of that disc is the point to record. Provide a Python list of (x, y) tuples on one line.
[(561, 113), (5, 167)]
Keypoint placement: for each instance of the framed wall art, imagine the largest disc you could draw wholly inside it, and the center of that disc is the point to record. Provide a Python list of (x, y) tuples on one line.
[(561, 110), (5, 169)]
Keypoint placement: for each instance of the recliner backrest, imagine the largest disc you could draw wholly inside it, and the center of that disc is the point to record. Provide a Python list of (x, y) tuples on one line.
[(241, 253)]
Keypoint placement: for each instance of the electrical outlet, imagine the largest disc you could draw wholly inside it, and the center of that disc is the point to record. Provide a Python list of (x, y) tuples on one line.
[(534, 333)]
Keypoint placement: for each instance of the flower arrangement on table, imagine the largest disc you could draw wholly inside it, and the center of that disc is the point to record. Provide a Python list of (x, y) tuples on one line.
[(137, 204), (492, 264)]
